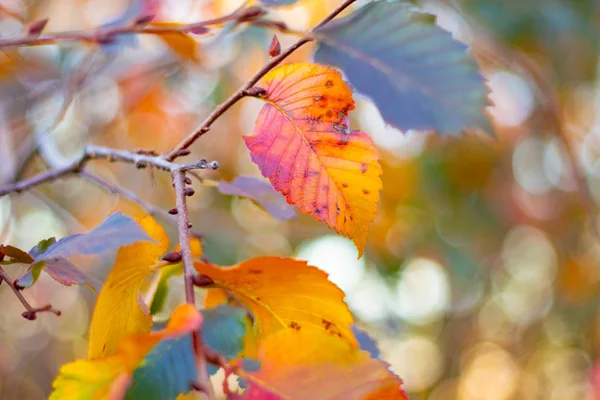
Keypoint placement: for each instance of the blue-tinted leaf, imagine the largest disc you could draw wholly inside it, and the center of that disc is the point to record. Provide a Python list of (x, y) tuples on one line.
[(262, 192), (30, 277), (278, 3), (41, 247), (418, 76), (366, 342), (66, 273), (116, 231), (223, 330), (168, 370)]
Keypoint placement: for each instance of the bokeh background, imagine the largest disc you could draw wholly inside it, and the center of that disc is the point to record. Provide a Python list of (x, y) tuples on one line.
[(481, 275)]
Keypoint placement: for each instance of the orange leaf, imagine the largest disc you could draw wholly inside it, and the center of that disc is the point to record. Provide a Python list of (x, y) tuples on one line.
[(180, 42), (284, 294), (302, 143), (303, 365)]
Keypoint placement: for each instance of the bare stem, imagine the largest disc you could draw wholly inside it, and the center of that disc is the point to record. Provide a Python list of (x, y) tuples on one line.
[(31, 312), (113, 155), (243, 91), (106, 34), (188, 272)]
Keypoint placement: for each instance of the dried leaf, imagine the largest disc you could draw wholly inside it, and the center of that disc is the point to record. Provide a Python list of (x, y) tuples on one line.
[(302, 143), (181, 43)]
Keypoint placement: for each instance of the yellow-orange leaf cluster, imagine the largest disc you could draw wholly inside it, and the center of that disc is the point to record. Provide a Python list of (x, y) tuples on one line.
[(302, 333), (303, 144)]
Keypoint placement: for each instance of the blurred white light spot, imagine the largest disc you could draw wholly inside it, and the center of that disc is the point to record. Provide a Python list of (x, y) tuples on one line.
[(529, 255), (35, 226), (557, 169), (528, 160), (423, 292), (337, 256), (418, 360), (512, 98), (101, 99), (371, 299), (492, 374), (402, 144)]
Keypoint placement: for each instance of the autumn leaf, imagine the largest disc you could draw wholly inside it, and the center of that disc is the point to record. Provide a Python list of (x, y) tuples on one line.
[(310, 364), (419, 77), (119, 309), (180, 42), (303, 144), (51, 256), (159, 365), (283, 294), (261, 192)]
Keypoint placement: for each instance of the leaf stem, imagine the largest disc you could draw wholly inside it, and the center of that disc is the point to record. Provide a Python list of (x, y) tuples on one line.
[(31, 312), (243, 90), (183, 224)]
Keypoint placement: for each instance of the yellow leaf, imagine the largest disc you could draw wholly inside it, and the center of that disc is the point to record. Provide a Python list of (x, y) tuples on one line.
[(284, 294), (119, 309), (180, 42), (309, 364), (110, 377)]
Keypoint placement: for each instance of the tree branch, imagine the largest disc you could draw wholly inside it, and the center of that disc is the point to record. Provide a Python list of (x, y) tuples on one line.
[(112, 155), (188, 272), (243, 91), (31, 312), (106, 34)]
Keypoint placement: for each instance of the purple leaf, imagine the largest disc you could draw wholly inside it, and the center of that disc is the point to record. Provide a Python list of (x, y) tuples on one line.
[(117, 230), (261, 192), (66, 273)]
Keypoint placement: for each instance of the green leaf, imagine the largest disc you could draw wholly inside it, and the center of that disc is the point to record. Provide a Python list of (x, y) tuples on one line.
[(223, 331), (162, 289), (41, 247), (417, 75)]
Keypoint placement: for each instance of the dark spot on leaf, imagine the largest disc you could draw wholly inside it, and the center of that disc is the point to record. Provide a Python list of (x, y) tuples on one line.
[(318, 98), (345, 219), (317, 211), (344, 185), (104, 347), (351, 218), (254, 271), (363, 168), (325, 187), (328, 83), (365, 191), (327, 324), (294, 325)]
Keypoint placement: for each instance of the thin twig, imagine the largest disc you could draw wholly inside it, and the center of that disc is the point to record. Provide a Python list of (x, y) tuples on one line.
[(188, 272), (243, 91), (113, 155), (31, 312), (106, 34), (116, 189)]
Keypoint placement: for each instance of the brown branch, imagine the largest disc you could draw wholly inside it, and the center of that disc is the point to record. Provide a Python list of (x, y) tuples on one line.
[(188, 272), (112, 155), (243, 91), (105, 34), (31, 312)]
